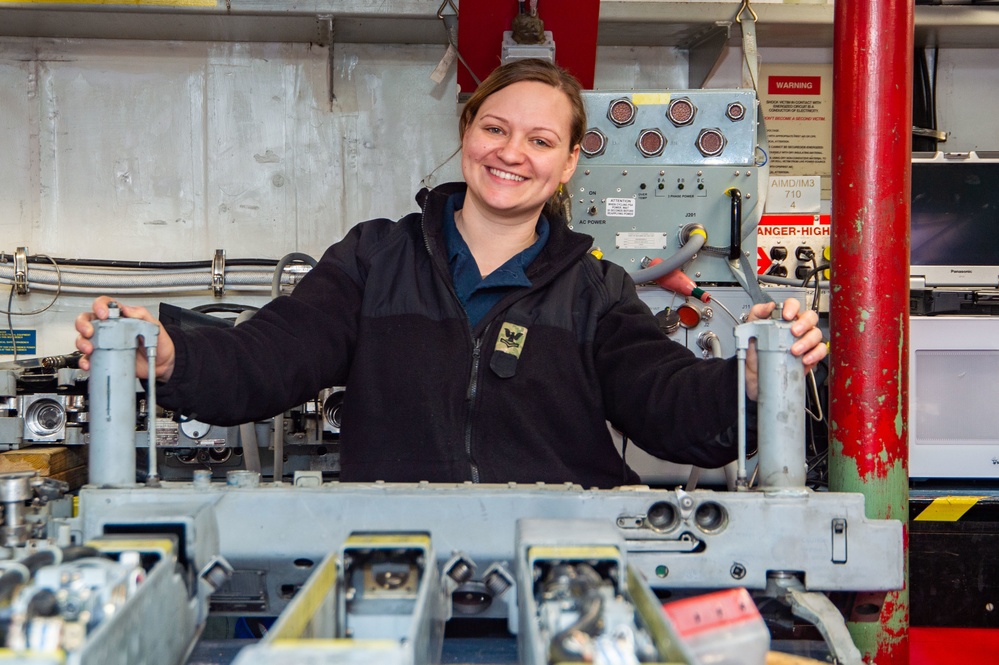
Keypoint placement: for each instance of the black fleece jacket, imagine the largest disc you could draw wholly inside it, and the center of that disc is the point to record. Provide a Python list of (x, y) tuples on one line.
[(524, 396)]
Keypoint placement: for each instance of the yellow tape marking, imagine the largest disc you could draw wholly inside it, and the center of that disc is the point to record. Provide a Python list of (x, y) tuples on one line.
[(947, 508), (642, 98)]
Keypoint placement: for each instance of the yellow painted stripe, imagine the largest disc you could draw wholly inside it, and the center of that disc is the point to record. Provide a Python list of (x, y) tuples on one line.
[(359, 540), (297, 616), (155, 3), (41, 656), (164, 546), (574, 552), (642, 98), (948, 508)]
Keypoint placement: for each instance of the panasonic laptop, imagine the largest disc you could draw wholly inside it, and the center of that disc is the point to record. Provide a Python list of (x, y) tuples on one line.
[(955, 220), (954, 327)]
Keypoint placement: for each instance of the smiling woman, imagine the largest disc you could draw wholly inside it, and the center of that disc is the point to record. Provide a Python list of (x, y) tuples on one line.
[(478, 339), (515, 154), (557, 81)]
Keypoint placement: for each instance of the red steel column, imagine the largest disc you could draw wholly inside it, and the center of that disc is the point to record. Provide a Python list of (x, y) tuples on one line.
[(869, 310)]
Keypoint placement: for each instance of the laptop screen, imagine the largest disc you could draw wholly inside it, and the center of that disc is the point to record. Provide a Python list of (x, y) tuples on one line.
[(955, 221)]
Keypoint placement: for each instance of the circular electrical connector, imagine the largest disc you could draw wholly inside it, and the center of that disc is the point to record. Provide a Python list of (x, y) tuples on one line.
[(621, 112), (681, 111), (711, 517), (735, 111), (651, 142), (45, 417), (690, 315), (711, 142), (662, 516), (333, 410), (594, 143), (689, 229)]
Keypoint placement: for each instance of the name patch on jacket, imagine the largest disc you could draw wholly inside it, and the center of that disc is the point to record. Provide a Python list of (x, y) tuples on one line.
[(509, 344)]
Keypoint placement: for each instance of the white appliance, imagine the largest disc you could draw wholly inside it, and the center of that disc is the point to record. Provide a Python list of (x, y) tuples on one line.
[(954, 397)]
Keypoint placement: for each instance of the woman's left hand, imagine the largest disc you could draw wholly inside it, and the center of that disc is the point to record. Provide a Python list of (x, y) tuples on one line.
[(809, 345)]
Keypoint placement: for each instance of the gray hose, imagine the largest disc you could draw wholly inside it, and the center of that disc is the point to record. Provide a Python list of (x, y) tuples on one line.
[(785, 281), (279, 419), (684, 254), (286, 260)]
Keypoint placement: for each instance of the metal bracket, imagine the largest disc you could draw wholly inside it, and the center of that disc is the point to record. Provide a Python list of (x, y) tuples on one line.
[(743, 7), (816, 608), (328, 24), (839, 540), (458, 570), (218, 273), (498, 579), (21, 271), (216, 572), (705, 51), (934, 134), (445, 5)]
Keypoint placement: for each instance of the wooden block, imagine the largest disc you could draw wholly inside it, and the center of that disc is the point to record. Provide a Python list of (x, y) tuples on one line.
[(75, 478), (46, 460)]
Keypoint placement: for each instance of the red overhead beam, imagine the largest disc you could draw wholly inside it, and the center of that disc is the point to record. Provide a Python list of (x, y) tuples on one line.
[(481, 24)]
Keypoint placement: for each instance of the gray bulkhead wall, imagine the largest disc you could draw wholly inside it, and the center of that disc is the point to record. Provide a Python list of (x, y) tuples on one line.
[(165, 151)]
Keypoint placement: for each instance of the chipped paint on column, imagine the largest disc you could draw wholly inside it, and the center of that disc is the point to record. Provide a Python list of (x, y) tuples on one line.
[(872, 80)]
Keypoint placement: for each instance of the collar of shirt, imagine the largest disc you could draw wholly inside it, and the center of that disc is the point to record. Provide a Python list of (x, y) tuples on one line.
[(478, 295)]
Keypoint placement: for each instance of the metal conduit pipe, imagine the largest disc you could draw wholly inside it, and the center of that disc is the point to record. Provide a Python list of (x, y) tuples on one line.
[(143, 291), (74, 270), (113, 281), (279, 418), (248, 431)]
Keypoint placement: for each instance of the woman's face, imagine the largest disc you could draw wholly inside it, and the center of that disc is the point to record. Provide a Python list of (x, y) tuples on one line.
[(516, 152)]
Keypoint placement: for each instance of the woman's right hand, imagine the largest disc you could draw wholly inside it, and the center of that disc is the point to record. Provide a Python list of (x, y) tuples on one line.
[(164, 345)]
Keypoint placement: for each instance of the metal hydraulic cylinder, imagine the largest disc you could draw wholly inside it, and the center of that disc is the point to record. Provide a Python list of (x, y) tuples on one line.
[(780, 405), (112, 397)]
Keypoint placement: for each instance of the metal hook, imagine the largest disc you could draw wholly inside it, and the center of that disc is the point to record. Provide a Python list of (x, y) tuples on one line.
[(743, 7), (440, 10)]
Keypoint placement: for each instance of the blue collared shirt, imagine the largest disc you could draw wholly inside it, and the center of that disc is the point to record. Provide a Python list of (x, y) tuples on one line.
[(478, 295)]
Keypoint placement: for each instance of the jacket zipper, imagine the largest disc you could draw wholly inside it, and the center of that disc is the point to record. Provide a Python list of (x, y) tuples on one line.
[(473, 388), (473, 381)]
